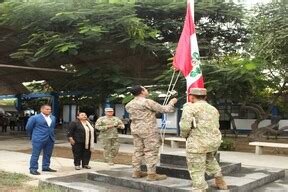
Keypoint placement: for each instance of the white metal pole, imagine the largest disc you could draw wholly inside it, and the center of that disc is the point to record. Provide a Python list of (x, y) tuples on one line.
[(192, 8)]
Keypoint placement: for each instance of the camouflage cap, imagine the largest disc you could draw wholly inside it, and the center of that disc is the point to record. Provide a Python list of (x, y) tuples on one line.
[(198, 91), (109, 109)]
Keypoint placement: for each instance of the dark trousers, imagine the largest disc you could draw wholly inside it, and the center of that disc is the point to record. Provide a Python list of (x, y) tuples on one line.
[(37, 147), (12, 125), (81, 154), (124, 131), (20, 126), (4, 128)]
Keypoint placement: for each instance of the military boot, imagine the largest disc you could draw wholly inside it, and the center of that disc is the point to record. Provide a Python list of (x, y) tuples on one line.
[(155, 177), (220, 183), (139, 174)]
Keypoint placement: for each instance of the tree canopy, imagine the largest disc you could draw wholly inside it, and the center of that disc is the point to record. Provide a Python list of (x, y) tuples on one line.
[(110, 45), (269, 40)]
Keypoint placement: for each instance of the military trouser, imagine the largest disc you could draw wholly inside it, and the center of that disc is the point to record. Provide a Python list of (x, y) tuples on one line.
[(198, 164), (146, 147), (111, 148)]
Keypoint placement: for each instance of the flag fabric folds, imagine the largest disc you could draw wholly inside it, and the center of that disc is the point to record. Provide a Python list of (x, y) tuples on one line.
[(187, 57)]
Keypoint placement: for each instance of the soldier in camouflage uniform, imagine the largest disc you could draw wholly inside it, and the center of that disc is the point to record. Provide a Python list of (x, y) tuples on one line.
[(200, 126), (108, 125), (144, 130)]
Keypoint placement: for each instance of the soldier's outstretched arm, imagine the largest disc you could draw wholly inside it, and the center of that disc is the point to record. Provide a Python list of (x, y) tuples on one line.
[(186, 121), (154, 106)]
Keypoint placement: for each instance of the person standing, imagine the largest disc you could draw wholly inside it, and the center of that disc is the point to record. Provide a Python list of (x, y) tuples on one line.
[(25, 120), (126, 122), (200, 126), (5, 123), (93, 118), (20, 122), (13, 120), (146, 138), (40, 128), (108, 125), (81, 137)]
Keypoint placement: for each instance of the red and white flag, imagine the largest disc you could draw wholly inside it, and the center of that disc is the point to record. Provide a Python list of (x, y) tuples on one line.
[(187, 57)]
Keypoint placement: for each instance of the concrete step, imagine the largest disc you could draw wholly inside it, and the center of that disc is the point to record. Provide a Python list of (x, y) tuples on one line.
[(251, 178), (81, 183), (178, 158), (179, 171), (126, 139), (119, 179), (245, 180), (277, 186), (122, 177)]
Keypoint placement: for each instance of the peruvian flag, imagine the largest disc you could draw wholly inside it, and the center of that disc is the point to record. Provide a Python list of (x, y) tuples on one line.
[(187, 57)]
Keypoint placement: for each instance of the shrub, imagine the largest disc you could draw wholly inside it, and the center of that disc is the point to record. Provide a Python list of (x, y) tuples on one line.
[(227, 145)]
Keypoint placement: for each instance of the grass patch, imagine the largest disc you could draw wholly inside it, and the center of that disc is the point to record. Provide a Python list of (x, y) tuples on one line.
[(15, 182), (12, 179)]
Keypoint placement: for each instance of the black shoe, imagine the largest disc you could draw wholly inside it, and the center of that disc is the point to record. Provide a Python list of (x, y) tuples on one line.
[(86, 167), (34, 173), (49, 170)]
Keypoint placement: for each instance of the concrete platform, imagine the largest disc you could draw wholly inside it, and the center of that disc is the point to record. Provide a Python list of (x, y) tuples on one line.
[(80, 182), (178, 158), (251, 178), (239, 179), (247, 180), (182, 171)]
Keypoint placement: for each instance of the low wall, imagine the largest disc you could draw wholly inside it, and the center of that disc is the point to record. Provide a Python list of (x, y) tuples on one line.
[(245, 124)]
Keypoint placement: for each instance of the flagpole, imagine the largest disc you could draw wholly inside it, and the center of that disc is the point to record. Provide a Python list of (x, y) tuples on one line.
[(192, 8), (191, 4)]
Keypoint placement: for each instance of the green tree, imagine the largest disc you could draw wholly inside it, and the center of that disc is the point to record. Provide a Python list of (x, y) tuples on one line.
[(257, 84), (220, 26), (112, 45), (100, 42), (269, 43)]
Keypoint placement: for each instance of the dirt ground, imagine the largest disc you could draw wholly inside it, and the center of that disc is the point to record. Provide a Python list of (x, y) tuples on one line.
[(241, 144), (97, 155)]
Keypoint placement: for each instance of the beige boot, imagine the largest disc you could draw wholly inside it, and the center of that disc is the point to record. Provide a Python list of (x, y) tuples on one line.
[(139, 174), (220, 183), (155, 177)]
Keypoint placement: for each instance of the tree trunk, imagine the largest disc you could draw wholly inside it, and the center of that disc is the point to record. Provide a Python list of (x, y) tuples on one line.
[(257, 133), (232, 119)]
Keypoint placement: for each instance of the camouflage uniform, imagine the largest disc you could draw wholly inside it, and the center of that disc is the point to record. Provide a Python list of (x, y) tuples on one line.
[(144, 130), (203, 141), (109, 136)]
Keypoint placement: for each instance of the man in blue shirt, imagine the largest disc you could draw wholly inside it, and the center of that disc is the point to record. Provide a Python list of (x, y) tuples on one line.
[(41, 130)]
